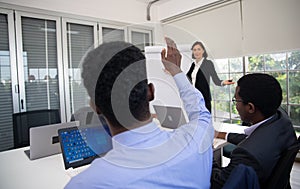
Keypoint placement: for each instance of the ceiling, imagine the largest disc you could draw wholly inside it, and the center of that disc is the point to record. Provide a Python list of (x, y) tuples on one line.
[(148, 1), (164, 1)]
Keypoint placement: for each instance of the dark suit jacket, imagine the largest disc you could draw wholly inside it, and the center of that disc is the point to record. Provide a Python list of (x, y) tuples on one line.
[(261, 150), (242, 177), (206, 71)]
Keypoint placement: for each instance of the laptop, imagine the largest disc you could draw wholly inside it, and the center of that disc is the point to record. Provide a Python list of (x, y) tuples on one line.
[(170, 117), (81, 145), (43, 140)]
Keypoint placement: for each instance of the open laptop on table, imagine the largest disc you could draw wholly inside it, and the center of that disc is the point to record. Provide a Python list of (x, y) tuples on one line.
[(170, 117), (81, 145), (43, 140)]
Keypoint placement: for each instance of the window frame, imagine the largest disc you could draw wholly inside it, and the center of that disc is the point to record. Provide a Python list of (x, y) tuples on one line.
[(141, 29), (245, 64), (67, 91), (112, 26), (12, 58), (19, 42)]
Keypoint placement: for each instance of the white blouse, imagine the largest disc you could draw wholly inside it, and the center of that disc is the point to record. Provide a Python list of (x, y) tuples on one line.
[(195, 71)]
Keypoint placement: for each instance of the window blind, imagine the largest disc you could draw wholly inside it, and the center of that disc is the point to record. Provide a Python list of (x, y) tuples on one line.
[(140, 39), (112, 34), (219, 28), (271, 26), (6, 110), (40, 63), (80, 39)]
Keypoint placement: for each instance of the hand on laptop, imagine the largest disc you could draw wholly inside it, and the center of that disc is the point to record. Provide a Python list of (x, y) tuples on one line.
[(172, 58)]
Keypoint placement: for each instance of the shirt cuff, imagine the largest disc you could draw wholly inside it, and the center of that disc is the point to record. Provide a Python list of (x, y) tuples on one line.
[(181, 80), (222, 83)]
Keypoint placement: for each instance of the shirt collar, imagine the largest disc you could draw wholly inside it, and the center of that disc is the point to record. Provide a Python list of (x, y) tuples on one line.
[(136, 136), (248, 131), (199, 63)]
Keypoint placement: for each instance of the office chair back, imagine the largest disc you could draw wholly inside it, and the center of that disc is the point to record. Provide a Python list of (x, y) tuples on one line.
[(23, 121), (280, 176)]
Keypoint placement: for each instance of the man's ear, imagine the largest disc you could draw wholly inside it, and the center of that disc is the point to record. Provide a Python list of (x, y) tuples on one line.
[(150, 93), (252, 108), (94, 107)]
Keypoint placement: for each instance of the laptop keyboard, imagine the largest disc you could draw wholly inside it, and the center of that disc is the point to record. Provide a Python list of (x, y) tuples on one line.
[(75, 146)]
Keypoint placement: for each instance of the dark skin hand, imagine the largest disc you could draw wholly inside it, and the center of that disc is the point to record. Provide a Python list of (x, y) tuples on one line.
[(171, 58)]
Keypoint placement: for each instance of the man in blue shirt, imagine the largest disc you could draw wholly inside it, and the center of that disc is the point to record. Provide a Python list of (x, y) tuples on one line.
[(144, 155)]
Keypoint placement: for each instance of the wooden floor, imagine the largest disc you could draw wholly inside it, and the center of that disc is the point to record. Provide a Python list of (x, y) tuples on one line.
[(295, 174)]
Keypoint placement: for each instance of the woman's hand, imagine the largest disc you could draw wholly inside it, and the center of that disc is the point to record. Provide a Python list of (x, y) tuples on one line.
[(228, 82)]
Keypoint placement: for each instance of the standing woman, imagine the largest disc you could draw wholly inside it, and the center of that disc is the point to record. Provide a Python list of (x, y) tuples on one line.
[(201, 71)]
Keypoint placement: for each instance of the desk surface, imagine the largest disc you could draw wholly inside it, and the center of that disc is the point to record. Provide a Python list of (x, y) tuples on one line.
[(227, 127), (17, 171)]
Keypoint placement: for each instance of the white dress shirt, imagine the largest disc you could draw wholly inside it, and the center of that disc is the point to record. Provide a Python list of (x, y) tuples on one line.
[(248, 131), (195, 71)]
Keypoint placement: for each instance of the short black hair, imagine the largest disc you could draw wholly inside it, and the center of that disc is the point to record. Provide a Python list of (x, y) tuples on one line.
[(115, 77), (205, 55), (262, 90)]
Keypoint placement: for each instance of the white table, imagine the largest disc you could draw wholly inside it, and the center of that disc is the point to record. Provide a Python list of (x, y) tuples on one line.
[(220, 143), (17, 171), (228, 127)]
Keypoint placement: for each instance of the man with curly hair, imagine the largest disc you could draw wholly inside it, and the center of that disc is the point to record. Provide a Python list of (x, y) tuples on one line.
[(144, 155)]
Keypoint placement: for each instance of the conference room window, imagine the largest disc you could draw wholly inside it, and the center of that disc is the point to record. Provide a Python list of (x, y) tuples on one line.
[(79, 37), (285, 67), (39, 45), (140, 37), (112, 34), (223, 109), (6, 100)]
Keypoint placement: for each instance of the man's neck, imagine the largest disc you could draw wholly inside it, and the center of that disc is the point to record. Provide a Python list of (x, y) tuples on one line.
[(257, 118)]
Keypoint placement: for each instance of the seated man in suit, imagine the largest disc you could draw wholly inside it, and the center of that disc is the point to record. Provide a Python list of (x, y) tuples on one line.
[(143, 155), (257, 98)]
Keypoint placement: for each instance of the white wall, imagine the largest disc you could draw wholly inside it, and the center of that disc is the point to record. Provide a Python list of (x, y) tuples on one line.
[(173, 7), (130, 11)]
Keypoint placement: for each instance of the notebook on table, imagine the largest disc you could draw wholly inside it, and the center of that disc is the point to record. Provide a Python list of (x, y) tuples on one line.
[(43, 140), (81, 145), (170, 117)]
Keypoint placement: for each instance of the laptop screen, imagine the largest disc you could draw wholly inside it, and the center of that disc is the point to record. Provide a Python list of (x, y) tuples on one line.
[(81, 145)]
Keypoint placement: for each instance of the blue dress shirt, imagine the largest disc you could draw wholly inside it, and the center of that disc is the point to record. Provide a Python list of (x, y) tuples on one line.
[(150, 157)]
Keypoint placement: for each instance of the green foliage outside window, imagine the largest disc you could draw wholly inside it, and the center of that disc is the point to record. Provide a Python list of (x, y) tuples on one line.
[(285, 67)]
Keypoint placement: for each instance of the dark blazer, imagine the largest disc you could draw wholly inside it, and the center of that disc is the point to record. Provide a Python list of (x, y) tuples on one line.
[(242, 176), (261, 150), (206, 71)]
